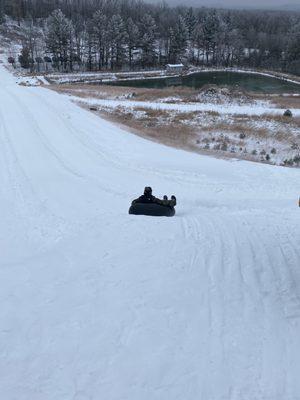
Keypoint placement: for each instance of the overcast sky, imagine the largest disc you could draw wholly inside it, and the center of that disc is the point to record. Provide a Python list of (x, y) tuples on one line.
[(272, 4)]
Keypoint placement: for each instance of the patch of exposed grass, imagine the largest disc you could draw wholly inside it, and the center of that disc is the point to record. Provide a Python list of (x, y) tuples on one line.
[(286, 101)]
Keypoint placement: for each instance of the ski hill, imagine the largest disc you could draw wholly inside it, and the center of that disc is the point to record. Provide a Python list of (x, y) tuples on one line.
[(98, 304)]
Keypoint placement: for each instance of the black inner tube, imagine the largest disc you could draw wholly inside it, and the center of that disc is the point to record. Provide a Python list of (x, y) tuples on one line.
[(155, 210)]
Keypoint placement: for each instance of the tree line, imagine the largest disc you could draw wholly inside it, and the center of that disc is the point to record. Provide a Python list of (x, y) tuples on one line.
[(130, 34)]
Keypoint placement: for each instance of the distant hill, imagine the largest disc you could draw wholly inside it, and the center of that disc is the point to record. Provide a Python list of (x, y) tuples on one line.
[(235, 4)]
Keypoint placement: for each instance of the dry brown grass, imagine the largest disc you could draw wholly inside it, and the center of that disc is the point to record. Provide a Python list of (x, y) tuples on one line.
[(169, 133), (152, 113), (107, 91), (187, 137), (180, 117), (286, 101), (281, 119), (212, 113)]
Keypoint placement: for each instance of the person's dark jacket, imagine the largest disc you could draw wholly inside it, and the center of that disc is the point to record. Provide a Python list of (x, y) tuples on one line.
[(146, 199)]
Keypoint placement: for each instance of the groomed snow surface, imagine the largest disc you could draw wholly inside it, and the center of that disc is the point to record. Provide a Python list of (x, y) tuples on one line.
[(97, 304)]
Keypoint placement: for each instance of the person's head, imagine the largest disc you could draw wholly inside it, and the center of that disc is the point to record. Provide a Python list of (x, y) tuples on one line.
[(147, 191)]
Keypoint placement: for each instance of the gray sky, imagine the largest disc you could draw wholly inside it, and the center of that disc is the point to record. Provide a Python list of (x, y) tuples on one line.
[(269, 4)]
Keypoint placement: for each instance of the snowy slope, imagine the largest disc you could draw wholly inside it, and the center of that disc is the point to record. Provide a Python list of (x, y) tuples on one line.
[(97, 304)]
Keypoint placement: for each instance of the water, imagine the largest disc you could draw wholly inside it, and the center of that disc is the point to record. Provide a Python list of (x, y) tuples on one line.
[(245, 81)]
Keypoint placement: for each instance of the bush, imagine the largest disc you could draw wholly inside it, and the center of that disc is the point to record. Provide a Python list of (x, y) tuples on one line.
[(289, 162), (224, 146), (296, 159), (24, 58), (11, 60), (288, 113), (254, 152), (242, 135), (273, 151), (268, 157)]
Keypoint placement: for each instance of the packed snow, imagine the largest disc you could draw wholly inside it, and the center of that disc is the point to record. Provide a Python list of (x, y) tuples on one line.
[(97, 304)]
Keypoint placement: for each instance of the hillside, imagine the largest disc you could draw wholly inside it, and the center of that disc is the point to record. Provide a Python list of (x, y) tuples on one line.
[(97, 304)]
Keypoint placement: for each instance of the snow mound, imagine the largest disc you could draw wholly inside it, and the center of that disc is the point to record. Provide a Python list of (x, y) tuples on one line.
[(222, 95)]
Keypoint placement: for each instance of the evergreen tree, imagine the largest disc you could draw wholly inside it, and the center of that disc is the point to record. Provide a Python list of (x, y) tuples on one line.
[(178, 41), (59, 38), (100, 28), (24, 58), (132, 31), (210, 34), (118, 38), (1, 11), (148, 31), (293, 50), (191, 24), (89, 44), (198, 41)]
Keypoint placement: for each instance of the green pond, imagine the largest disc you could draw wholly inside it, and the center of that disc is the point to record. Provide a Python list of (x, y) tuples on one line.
[(245, 81)]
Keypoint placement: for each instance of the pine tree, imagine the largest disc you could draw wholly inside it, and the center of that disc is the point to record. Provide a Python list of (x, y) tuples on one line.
[(100, 27), (1, 11), (89, 45), (191, 24), (293, 50), (148, 31), (198, 40), (118, 37), (59, 38), (24, 58), (211, 28), (178, 40), (132, 31)]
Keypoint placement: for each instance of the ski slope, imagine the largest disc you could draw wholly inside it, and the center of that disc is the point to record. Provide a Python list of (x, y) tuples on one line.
[(97, 304)]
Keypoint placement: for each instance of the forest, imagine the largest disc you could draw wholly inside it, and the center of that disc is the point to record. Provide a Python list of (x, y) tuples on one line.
[(97, 35)]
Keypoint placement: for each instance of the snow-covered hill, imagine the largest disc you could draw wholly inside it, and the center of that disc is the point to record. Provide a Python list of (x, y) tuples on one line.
[(97, 304)]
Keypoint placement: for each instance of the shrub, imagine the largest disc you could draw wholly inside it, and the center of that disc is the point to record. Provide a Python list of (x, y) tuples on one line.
[(288, 113), (296, 159), (224, 146), (24, 58), (254, 152), (242, 135), (273, 151), (268, 157), (288, 162)]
